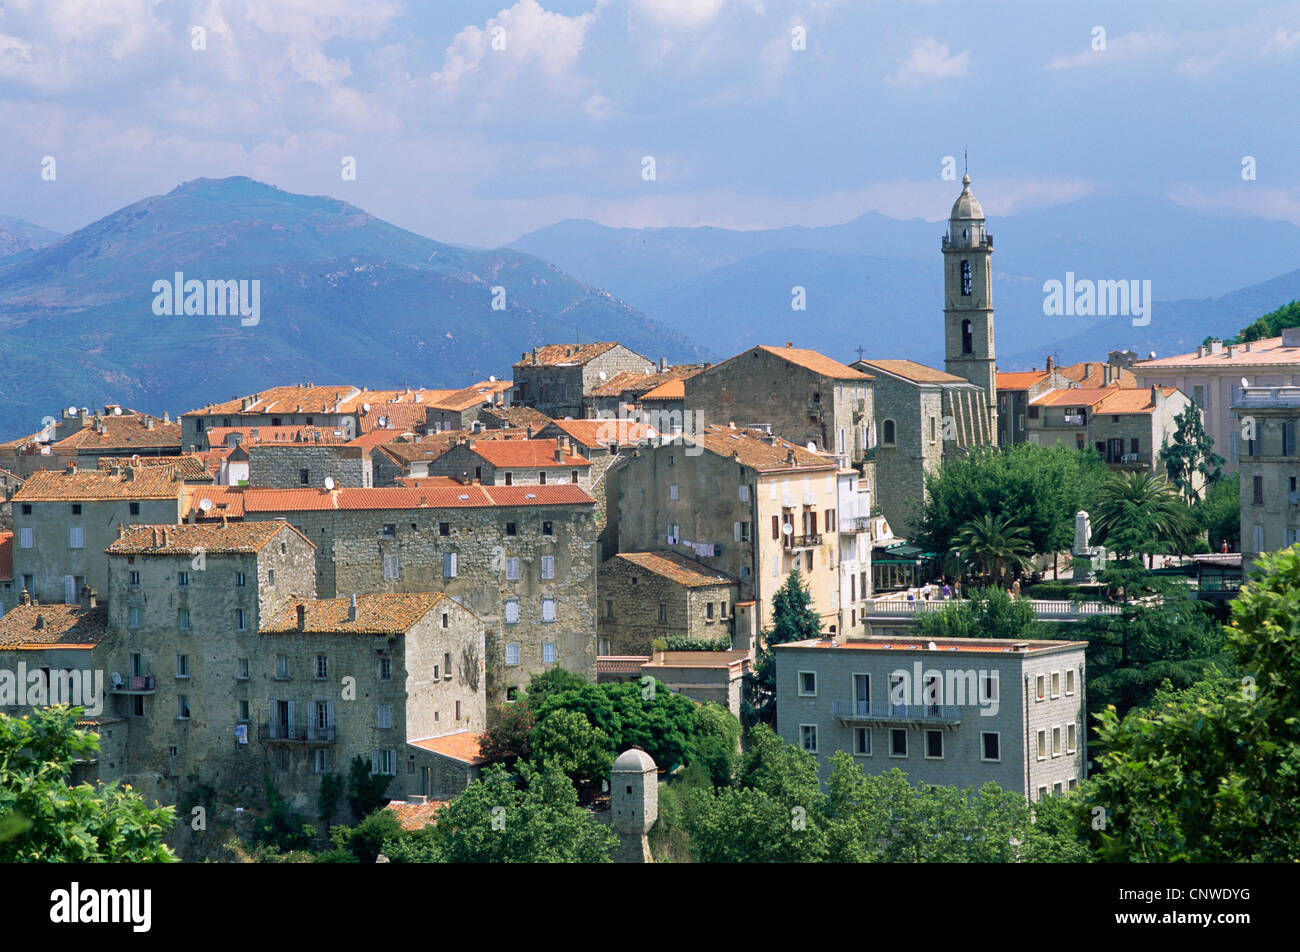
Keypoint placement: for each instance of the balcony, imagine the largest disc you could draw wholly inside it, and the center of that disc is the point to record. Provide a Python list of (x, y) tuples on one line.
[(882, 712), (277, 732), (136, 684), (1074, 419), (855, 524), (805, 541), (810, 499), (789, 502)]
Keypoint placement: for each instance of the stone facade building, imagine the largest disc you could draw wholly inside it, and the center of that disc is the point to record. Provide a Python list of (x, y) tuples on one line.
[(294, 465), (620, 397), (1269, 467), (1015, 393), (1127, 427), (968, 300), (1006, 711), (644, 596), (800, 395), (555, 378), (461, 409), (535, 462)]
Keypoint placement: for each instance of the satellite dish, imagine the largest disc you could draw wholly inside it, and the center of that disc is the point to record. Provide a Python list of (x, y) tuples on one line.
[(1151, 356), (117, 411), (811, 447), (365, 408), (72, 411), (1245, 382), (329, 482), (787, 529), (492, 378), (117, 680), (205, 504), (602, 375)]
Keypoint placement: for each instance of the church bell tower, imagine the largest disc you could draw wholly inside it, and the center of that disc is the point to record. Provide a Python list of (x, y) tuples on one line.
[(968, 299)]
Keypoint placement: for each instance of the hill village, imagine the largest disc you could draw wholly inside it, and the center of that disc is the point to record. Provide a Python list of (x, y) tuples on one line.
[(279, 583)]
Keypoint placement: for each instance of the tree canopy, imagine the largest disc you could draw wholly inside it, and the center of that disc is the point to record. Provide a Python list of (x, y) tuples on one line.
[(1191, 454), (1141, 513)]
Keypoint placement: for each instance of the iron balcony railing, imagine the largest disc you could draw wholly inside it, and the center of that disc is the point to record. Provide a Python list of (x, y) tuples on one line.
[(295, 733), (135, 684), (885, 712), (1046, 607)]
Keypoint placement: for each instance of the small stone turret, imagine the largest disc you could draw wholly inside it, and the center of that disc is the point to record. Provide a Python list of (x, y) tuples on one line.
[(633, 803)]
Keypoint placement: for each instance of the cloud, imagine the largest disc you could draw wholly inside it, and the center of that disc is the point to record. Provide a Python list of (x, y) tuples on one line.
[(1275, 204), (1129, 46), (1281, 43), (600, 107), (929, 60)]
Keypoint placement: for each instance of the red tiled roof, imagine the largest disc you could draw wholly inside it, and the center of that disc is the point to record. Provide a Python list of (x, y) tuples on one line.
[(1020, 379), (218, 436), (620, 664), (1080, 374), (1266, 352), (61, 625), (462, 746), (406, 497), (816, 362), (677, 568), (6, 555), (600, 433), (415, 816), (672, 390), (291, 399), (236, 537), (226, 500), (472, 396), (148, 482), (911, 370), (185, 466), (122, 433), (526, 454), (1075, 397), (515, 417), (1131, 400), (640, 383), (565, 355), (381, 613), (398, 417), (755, 449)]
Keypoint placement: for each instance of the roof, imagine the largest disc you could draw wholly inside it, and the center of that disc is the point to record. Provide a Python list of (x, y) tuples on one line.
[(972, 645), (1267, 352), (64, 626), (183, 539), (297, 398), (433, 445), (676, 568), (145, 482), (6, 555), (526, 454), (1074, 397), (620, 664), (185, 466), (759, 451), (816, 362), (566, 355), (1092, 373), (641, 383), (415, 816), (633, 760), (21, 441), (1131, 400), (462, 746), (1020, 380), (967, 207), (473, 395), (403, 497), (670, 390), (911, 370), (601, 433), (384, 613), (122, 432), (699, 659), (397, 417), (515, 417), (219, 436), (226, 501), (369, 440)]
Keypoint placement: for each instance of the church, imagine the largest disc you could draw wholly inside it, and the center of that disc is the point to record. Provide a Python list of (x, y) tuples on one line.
[(924, 416)]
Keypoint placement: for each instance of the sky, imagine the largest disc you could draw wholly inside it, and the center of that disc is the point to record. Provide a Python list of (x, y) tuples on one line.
[(474, 122)]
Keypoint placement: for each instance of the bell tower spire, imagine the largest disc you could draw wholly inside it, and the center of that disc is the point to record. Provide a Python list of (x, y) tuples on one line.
[(968, 299)]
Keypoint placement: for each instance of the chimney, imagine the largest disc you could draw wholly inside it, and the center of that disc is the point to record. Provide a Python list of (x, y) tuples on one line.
[(534, 356), (530, 431), (128, 474), (352, 609), (302, 617), (663, 365), (166, 537), (167, 417), (417, 799), (40, 622), (148, 423), (1200, 350), (789, 457), (469, 442), (154, 531), (789, 344), (224, 523), (26, 597), (71, 469), (121, 531), (559, 452), (1216, 347), (1157, 397), (1087, 368), (89, 598)]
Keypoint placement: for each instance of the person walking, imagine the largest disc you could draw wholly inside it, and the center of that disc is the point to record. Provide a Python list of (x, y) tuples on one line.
[(947, 592), (1015, 589)]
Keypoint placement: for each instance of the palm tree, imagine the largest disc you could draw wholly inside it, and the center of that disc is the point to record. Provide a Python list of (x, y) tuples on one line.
[(1142, 513), (994, 544)]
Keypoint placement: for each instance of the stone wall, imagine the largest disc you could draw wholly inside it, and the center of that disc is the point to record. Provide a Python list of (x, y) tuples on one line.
[(281, 466), (629, 600)]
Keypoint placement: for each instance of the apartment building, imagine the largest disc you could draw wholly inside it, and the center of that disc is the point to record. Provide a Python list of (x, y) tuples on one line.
[(1269, 467), (1127, 427), (555, 379), (948, 711), (1015, 392)]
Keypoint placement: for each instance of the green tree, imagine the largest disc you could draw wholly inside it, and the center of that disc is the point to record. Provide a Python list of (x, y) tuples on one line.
[(508, 739), (793, 619), (994, 544), (1191, 454), (567, 740), (1141, 513), (1219, 513), (988, 613), (715, 740), (43, 819), (365, 789), (283, 829), (1211, 773), (555, 681), (494, 821), (659, 721), (1272, 323), (370, 837), (327, 799)]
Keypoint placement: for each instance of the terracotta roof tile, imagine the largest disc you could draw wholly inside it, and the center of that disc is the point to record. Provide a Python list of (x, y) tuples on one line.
[(1074, 397), (566, 355), (226, 501), (1266, 352), (1131, 400), (397, 417), (462, 746), (407, 497), (911, 370), (383, 613), (415, 816), (816, 362), (1097, 378), (183, 539), (122, 433), (757, 450), (187, 466), (639, 384), (219, 436), (526, 454), (600, 433), (147, 482), (677, 568), (1020, 380), (60, 625), (291, 399), (472, 396), (672, 390), (515, 417)]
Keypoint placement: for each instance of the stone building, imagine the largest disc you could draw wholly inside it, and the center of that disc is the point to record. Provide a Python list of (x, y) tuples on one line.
[(8, 594), (968, 300), (633, 804), (800, 395), (413, 456), (522, 558), (448, 763), (293, 465), (1127, 427), (1015, 393), (555, 378), (744, 502), (535, 462), (460, 410), (947, 711), (511, 418), (923, 416), (620, 396), (331, 407), (644, 596), (64, 520), (1213, 377), (710, 677), (1269, 467), (113, 435)]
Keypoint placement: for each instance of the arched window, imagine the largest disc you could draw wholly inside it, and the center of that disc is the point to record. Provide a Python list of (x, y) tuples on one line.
[(965, 279), (966, 343), (887, 433)]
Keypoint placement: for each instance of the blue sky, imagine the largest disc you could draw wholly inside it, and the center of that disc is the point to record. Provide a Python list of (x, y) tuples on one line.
[(466, 143)]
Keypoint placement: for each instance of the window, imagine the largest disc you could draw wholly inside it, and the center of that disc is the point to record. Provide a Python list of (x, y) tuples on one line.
[(887, 433), (744, 492), (991, 746), (446, 666), (511, 529), (897, 743), (244, 712), (609, 608), (240, 581), (446, 619), (389, 531), (1042, 745), (281, 666), (541, 478), (1073, 784), (241, 620), (449, 565), (512, 570), (1040, 687), (663, 612), (133, 578), (183, 619), (548, 652), (387, 761), (1056, 684), (385, 715), (322, 667), (934, 745), (672, 491), (1056, 789), (966, 283), (1056, 742), (27, 509), (547, 528), (282, 758), (512, 612), (967, 341), (270, 574), (385, 669), (25, 538), (548, 566), (76, 537), (510, 479), (135, 509), (320, 760), (934, 429), (1069, 681), (808, 735), (708, 611), (182, 579), (1069, 738), (1033, 412), (575, 477), (1257, 485), (444, 528), (241, 669), (133, 616), (304, 476), (182, 708), (807, 684), (512, 654), (861, 742), (548, 609), (182, 666), (1133, 446)]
